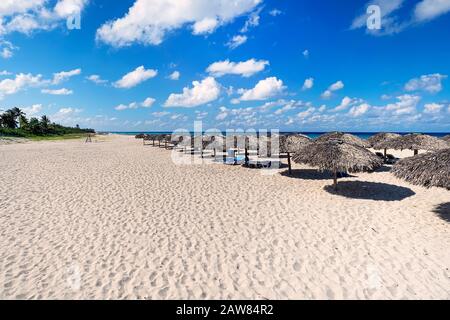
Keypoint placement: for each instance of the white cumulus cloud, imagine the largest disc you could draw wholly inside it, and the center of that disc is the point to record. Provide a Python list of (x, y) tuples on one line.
[(237, 41), (431, 83), (246, 69), (263, 90), (148, 21), (57, 92), (358, 111), (205, 26), (202, 92), (95, 78), (19, 82), (334, 87), (175, 75), (430, 9), (33, 110), (308, 84), (433, 108), (65, 75), (135, 77), (406, 104), (148, 102)]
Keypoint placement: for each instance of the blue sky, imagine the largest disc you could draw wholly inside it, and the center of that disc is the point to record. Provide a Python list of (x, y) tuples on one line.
[(150, 65)]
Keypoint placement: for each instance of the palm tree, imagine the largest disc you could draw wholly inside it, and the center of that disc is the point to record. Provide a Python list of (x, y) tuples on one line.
[(8, 120), (45, 121), (9, 117), (35, 126), (23, 121), (17, 112)]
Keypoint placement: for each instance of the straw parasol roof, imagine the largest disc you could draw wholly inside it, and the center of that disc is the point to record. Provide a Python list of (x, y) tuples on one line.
[(428, 169), (215, 143), (446, 138), (413, 142), (382, 137), (252, 142), (345, 137), (293, 143), (338, 156)]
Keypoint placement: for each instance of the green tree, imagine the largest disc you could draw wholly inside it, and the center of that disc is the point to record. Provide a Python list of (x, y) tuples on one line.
[(23, 122), (8, 119), (17, 112), (45, 122), (34, 126)]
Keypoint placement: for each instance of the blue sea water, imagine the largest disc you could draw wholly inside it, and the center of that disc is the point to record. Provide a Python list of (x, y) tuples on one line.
[(313, 135)]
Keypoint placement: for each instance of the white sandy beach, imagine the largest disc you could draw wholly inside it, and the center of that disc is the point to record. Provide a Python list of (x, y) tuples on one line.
[(114, 220)]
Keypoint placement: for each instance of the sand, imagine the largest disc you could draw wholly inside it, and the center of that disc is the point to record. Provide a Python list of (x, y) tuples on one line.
[(116, 220)]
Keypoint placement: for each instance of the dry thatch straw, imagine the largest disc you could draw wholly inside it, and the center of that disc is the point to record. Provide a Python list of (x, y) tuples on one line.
[(251, 142), (338, 156), (382, 137), (214, 143), (293, 143), (176, 139), (345, 137), (428, 170), (414, 142), (447, 139), (379, 138), (161, 138), (151, 137)]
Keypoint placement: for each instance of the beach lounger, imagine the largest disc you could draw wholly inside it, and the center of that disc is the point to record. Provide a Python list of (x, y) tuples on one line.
[(264, 163), (390, 159)]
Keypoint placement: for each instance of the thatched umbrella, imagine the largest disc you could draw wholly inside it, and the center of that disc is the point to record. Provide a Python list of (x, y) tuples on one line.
[(292, 143), (414, 142), (251, 143), (379, 138), (176, 139), (338, 156), (206, 141), (145, 137), (428, 169), (165, 138), (153, 137), (184, 141), (345, 137), (191, 142), (215, 143), (447, 138)]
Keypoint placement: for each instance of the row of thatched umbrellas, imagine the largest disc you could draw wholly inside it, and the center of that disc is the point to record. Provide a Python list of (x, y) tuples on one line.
[(341, 152)]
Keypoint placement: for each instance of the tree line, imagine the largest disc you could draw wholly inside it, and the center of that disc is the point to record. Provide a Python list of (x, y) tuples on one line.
[(13, 122)]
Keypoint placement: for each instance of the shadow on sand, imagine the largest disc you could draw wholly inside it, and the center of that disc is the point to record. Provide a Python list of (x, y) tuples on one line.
[(311, 174), (370, 191), (443, 211), (384, 168)]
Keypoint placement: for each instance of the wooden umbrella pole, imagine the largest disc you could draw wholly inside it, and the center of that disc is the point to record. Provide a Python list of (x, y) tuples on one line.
[(416, 152), (246, 157), (335, 179), (289, 163)]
